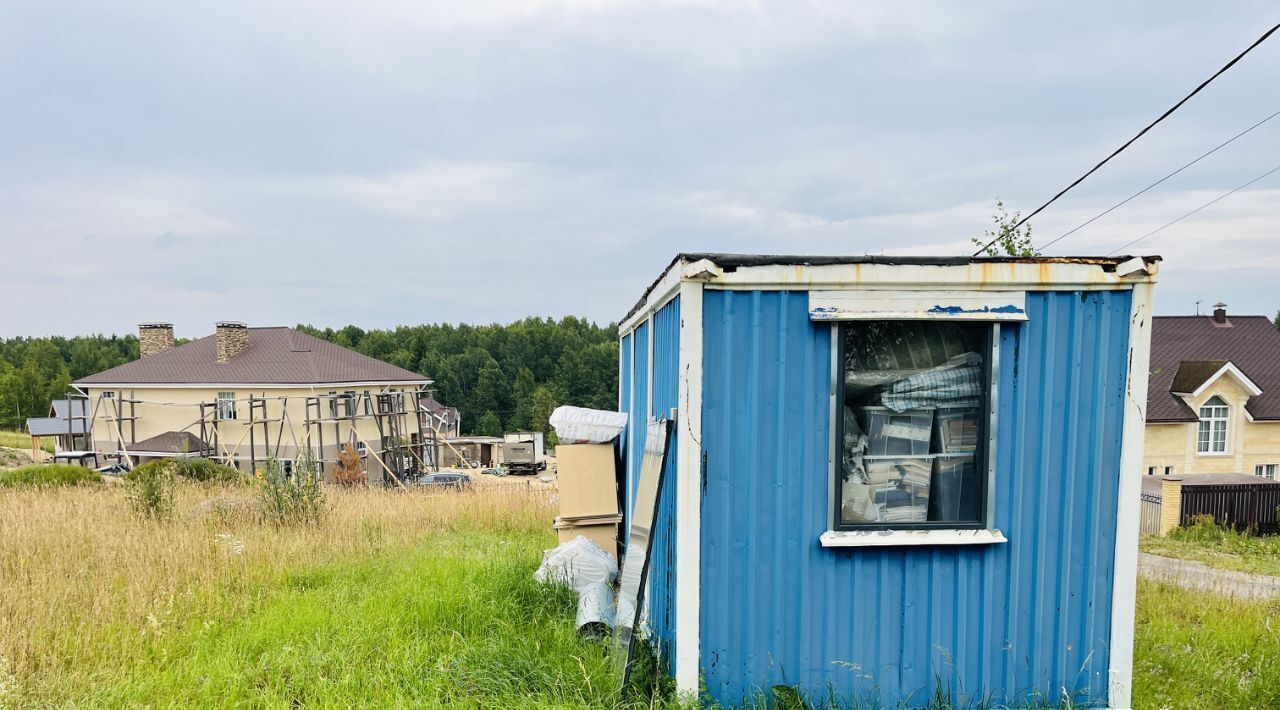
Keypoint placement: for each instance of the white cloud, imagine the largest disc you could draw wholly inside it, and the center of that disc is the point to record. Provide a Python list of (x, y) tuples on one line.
[(505, 158)]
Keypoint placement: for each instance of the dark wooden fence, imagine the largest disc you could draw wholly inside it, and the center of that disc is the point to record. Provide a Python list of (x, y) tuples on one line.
[(1234, 505)]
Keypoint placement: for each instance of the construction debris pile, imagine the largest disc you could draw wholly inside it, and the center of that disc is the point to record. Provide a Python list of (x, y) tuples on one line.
[(590, 511), (912, 399)]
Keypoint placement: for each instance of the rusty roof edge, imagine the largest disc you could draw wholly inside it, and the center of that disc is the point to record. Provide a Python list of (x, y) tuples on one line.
[(731, 260)]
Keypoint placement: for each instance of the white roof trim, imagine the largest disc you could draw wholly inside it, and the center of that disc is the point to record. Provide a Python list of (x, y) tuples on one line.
[(1235, 372), (978, 276), (666, 289)]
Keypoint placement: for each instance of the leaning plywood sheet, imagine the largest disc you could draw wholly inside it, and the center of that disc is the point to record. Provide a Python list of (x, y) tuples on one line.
[(918, 305), (635, 564)]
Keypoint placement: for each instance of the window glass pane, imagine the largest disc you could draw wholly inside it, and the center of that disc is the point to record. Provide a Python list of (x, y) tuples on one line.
[(912, 395), (226, 405)]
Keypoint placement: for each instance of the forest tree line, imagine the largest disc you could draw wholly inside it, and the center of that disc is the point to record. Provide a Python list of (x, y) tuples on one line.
[(35, 371), (500, 377)]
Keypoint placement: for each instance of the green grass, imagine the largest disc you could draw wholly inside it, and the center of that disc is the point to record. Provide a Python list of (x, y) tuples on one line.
[(455, 622), (1221, 548), (21, 440), (49, 475), (453, 619), (202, 470), (1194, 650)]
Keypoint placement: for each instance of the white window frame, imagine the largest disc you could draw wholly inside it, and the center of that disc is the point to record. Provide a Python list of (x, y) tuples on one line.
[(1209, 425), (876, 536), (225, 402), (1266, 470), (1151, 470), (1169, 470)]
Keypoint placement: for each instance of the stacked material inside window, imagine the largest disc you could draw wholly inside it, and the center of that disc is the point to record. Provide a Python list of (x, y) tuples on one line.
[(912, 393)]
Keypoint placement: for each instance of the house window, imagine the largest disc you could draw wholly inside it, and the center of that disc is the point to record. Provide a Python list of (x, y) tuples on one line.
[(1151, 470), (109, 395), (1168, 470), (368, 403), (911, 430), (349, 403), (1266, 470), (226, 405), (1211, 437)]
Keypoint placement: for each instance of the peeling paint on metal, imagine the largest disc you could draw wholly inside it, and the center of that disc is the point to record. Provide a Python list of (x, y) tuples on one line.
[(957, 310)]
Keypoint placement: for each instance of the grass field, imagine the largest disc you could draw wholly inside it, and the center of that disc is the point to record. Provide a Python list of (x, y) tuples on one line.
[(20, 440), (408, 600), (1217, 547), (394, 600), (1198, 651)]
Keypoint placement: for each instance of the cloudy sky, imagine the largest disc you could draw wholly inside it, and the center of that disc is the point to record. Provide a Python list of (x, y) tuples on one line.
[(394, 162)]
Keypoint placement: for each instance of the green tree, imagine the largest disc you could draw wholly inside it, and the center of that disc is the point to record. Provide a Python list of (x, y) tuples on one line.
[(522, 396), (488, 425), (544, 403), (1006, 238)]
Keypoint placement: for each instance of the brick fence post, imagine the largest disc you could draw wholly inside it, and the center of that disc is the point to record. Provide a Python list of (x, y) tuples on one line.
[(1170, 504)]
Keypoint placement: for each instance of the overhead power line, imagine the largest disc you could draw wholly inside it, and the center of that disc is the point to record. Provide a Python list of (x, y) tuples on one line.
[(1141, 133), (1121, 203), (1215, 200)]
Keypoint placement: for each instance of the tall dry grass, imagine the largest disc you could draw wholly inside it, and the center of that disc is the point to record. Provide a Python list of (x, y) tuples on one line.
[(85, 582)]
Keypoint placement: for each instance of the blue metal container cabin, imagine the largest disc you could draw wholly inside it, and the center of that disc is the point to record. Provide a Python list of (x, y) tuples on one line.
[(748, 588)]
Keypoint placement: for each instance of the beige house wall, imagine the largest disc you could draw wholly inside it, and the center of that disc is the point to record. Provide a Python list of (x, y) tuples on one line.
[(1248, 443), (164, 409)]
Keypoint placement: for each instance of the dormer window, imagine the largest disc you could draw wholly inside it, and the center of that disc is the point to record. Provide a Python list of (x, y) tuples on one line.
[(1212, 435)]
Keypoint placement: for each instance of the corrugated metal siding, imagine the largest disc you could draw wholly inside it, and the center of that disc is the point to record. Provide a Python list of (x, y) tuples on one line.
[(664, 329), (624, 386), (1001, 622), (666, 388), (638, 409)]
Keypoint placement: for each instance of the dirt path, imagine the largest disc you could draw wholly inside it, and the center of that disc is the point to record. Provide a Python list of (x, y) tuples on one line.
[(13, 458), (1197, 575)]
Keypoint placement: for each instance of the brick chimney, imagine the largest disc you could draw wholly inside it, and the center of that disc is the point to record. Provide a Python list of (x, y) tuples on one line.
[(1220, 313), (233, 339), (154, 338)]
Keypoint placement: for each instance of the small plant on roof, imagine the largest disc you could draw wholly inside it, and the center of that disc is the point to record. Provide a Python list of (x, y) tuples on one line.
[(1007, 238)]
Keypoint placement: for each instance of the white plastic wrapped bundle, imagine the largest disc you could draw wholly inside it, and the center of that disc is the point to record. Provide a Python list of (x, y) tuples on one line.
[(581, 565), (578, 425), (576, 564)]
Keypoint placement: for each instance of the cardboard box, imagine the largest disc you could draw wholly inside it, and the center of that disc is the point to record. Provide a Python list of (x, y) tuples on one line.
[(603, 534), (587, 480)]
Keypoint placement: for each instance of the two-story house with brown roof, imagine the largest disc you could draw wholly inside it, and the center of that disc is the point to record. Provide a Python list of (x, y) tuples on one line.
[(245, 395), (1213, 402)]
